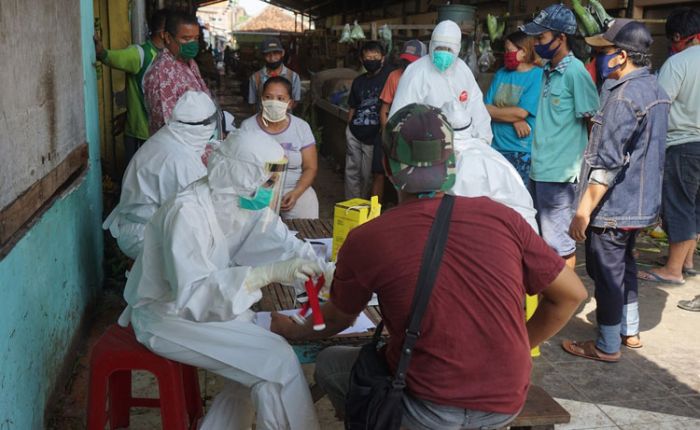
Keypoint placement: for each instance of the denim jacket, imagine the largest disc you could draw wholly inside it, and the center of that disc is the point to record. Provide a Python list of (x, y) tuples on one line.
[(628, 136)]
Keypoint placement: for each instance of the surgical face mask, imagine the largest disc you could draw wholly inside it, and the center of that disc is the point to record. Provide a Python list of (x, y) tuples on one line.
[(546, 51), (274, 110), (189, 50), (261, 199), (510, 60), (601, 64), (372, 65), (273, 65), (443, 59)]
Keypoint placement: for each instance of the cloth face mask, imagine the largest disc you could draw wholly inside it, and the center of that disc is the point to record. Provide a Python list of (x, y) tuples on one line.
[(510, 60), (601, 63), (546, 51), (274, 110), (189, 50)]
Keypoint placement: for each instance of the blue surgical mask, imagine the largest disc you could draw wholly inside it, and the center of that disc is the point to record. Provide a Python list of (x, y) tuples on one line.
[(546, 51), (601, 64), (443, 60), (261, 199)]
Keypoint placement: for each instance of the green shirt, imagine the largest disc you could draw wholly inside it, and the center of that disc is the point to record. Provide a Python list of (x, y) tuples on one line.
[(134, 60), (680, 78), (560, 136)]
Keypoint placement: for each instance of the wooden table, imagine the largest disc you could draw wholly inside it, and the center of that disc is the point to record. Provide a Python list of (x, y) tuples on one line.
[(277, 298)]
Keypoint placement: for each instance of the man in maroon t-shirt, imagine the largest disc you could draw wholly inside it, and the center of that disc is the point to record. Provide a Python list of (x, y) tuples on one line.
[(471, 365)]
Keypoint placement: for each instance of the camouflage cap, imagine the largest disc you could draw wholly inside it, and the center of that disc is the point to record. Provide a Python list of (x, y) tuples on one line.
[(418, 145)]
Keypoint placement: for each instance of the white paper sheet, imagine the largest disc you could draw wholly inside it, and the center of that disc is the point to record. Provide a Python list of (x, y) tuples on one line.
[(322, 246), (362, 324)]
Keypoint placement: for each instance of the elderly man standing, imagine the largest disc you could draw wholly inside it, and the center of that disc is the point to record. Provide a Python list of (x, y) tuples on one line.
[(135, 61), (620, 188), (442, 80), (491, 259), (273, 53), (168, 162), (174, 71)]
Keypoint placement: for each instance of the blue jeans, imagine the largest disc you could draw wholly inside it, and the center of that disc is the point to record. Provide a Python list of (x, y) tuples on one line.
[(333, 366), (554, 202), (681, 192), (611, 264)]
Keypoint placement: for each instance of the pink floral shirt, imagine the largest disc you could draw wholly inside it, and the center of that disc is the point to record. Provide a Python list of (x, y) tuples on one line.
[(165, 81)]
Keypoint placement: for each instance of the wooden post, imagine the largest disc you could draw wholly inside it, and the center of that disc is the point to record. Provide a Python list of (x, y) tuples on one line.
[(373, 30)]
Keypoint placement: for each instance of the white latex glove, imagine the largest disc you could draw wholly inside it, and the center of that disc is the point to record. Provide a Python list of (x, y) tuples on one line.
[(283, 272), (328, 273)]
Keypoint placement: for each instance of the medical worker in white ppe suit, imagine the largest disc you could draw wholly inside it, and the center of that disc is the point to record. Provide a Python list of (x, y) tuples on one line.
[(169, 161), (443, 80), (206, 255)]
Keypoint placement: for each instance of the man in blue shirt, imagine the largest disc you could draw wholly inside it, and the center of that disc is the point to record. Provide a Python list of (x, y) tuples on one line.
[(620, 188)]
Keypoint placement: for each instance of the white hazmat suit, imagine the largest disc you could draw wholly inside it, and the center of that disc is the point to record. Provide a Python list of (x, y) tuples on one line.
[(481, 170), (168, 162), (203, 262)]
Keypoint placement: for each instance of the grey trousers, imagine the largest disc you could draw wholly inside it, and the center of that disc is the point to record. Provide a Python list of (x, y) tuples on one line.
[(333, 366), (358, 167)]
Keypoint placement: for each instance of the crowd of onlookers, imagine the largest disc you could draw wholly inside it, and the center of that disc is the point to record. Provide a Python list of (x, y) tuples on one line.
[(554, 153)]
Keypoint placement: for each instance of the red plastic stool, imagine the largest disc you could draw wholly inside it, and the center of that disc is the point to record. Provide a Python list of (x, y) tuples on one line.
[(113, 358)]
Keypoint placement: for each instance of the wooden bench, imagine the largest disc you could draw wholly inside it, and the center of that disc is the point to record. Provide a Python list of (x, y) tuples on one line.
[(541, 412)]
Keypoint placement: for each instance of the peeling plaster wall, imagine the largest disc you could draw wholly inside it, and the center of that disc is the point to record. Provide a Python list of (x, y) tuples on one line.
[(55, 270)]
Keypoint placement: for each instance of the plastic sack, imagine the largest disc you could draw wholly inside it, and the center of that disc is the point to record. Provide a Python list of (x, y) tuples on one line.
[(384, 34), (345, 35), (356, 33), (487, 58)]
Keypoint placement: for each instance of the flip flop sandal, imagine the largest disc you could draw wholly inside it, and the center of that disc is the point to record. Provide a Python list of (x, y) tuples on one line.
[(632, 342), (688, 271), (588, 350), (649, 276)]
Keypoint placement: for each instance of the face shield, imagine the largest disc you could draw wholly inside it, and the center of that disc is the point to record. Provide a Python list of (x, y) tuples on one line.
[(278, 174)]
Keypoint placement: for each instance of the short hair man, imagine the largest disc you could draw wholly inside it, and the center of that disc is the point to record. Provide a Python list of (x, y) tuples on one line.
[(174, 71), (474, 326), (620, 188), (680, 78), (569, 98), (273, 53), (135, 61), (363, 131)]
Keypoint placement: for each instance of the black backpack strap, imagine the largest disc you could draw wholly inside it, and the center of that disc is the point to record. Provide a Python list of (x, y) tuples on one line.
[(430, 265)]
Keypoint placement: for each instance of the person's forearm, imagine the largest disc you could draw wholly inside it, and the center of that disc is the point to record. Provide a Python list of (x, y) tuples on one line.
[(351, 112), (306, 179), (384, 114), (307, 332), (591, 197), (548, 319), (559, 302), (509, 114)]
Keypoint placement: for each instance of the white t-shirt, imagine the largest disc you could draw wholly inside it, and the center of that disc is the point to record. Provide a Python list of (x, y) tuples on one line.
[(293, 139), (680, 79)]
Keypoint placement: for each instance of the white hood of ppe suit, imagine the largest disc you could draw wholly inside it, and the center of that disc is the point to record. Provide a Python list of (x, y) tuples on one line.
[(481, 170), (193, 106), (187, 296), (167, 163), (446, 34)]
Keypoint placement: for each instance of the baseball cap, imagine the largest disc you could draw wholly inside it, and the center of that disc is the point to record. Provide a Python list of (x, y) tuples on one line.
[(556, 17), (626, 34), (418, 145), (271, 44), (412, 50)]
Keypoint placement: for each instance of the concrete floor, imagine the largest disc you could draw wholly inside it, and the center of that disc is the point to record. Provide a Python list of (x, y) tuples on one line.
[(655, 387)]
